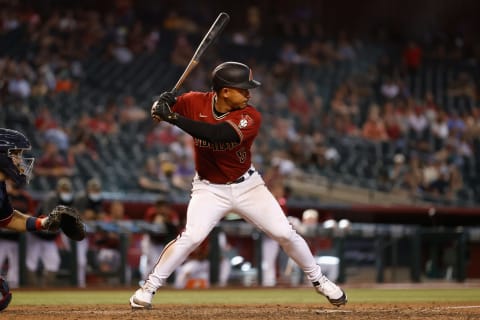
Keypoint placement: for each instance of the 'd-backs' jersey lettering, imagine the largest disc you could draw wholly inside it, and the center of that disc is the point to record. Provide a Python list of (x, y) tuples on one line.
[(220, 162)]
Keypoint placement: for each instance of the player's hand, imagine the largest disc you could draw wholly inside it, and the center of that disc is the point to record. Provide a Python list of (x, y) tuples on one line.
[(168, 98), (161, 111)]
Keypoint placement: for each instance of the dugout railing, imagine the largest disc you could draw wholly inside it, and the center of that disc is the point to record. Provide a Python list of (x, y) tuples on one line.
[(389, 246)]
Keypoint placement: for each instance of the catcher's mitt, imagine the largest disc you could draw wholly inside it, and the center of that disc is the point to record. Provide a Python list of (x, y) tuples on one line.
[(67, 219)]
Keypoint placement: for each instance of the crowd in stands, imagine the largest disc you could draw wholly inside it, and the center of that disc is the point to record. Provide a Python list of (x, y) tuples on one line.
[(400, 116)]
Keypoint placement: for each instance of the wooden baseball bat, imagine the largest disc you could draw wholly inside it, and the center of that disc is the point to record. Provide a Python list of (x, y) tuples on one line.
[(212, 34)]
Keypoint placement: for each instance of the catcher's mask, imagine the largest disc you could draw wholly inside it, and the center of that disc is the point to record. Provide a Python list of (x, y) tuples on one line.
[(233, 75), (12, 162)]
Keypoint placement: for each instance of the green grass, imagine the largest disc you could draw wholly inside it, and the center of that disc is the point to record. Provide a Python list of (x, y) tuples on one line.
[(244, 296)]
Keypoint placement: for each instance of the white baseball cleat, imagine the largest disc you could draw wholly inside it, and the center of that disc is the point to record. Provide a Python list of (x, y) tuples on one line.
[(331, 291), (142, 299)]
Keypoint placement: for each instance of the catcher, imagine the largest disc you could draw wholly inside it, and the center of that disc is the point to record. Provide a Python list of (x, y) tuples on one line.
[(15, 167)]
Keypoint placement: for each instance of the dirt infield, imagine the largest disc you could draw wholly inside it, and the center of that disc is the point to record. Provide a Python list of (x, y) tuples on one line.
[(411, 311)]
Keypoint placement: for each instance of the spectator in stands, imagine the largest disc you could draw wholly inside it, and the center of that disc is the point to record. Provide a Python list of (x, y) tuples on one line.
[(104, 122), (440, 130), (183, 174), (152, 39), (107, 239), (430, 106), (44, 119), (82, 139), (298, 104), (178, 23), (182, 51), (64, 82), (135, 37), (42, 245), (90, 202), (289, 54), (472, 122), (412, 57), (60, 138), (130, 111), (119, 51), (160, 136), (390, 89), (345, 49), (396, 174), (52, 164), (414, 175), (463, 86), (90, 205), (392, 127), (194, 273), (456, 125), (374, 128), (418, 122), (19, 86), (21, 200), (152, 179)]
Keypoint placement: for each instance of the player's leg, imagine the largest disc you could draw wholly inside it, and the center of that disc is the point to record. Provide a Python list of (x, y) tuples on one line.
[(82, 250), (32, 256), (261, 208), (13, 274), (270, 249), (204, 211), (51, 260), (9, 250)]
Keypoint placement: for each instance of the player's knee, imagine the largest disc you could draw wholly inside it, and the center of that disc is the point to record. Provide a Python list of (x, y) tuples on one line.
[(283, 236), (193, 239)]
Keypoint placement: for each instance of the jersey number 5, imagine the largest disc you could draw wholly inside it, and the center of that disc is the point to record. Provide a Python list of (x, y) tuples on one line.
[(242, 155)]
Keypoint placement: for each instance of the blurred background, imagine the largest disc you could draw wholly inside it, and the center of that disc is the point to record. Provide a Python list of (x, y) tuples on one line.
[(371, 129)]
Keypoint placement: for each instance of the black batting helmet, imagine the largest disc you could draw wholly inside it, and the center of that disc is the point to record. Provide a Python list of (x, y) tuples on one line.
[(234, 75)]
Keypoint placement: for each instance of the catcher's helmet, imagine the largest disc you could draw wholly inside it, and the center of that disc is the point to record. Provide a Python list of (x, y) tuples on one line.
[(234, 75), (12, 162), (5, 294)]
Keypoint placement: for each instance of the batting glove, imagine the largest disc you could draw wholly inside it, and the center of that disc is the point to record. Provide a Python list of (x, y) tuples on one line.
[(161, 111), (167, 97)]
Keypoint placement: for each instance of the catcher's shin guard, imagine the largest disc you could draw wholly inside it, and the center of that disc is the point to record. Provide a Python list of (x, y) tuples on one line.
[(5, 294)]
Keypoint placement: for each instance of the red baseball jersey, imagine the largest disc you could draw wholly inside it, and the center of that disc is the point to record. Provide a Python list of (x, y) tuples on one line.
[(220, 162)]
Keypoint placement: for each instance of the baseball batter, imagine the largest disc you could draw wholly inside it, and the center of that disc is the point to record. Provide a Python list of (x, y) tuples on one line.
[(224, 127)]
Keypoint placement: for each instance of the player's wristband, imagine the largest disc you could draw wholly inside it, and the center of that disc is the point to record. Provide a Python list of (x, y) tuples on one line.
[(33, 224)]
